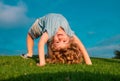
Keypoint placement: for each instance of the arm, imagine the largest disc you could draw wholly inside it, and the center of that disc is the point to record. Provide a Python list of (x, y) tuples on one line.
[(83, 50), (43, 40)]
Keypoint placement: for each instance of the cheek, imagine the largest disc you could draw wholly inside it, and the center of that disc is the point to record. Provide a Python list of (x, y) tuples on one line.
[(66, 37), (55, 38)]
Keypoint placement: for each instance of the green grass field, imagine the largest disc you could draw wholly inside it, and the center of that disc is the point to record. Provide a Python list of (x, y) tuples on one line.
[(15, 68)]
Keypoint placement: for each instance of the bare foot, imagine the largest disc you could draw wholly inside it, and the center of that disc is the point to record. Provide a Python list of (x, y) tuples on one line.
[(40, 65)]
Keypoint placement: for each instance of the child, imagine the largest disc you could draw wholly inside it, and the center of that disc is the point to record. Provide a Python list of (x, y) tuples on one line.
[(53, 29)]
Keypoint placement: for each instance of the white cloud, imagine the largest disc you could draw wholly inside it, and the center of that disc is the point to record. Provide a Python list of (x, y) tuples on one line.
[(110, 41), (91, 32), (100, 48), (13, 15), (106, 47), (103, 51)]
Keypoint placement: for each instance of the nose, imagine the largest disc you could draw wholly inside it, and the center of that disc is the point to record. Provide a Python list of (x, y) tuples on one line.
[(61, 39)]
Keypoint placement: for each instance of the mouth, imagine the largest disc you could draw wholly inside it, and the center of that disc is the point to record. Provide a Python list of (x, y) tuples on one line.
[(60, 34)]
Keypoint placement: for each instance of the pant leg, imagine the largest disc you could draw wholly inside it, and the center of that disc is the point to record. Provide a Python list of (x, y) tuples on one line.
[(35, 31)]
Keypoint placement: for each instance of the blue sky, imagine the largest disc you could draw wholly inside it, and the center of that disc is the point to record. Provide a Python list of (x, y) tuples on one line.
[(96, 22)]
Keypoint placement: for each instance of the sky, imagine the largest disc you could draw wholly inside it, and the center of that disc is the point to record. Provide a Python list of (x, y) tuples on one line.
[(95, 22)]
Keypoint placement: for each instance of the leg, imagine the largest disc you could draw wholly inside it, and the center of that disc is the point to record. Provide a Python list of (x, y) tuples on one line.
[(33, 33), (30, 44)]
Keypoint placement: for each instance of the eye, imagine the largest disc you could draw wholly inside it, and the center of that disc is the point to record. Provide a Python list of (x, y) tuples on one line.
[(64, 41)]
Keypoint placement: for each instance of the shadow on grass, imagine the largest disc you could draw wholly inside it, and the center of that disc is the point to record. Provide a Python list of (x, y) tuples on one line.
[(108, 59), (66, 76), (112, 60), (35, 58)]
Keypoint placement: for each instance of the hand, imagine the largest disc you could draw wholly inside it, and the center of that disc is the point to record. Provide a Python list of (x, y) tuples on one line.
[(89, 64), (40, 65)]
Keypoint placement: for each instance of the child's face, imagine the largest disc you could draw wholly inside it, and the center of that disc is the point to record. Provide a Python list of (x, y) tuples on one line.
[(61, 39)]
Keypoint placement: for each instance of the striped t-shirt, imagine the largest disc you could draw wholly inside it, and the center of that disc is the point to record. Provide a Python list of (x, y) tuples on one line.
[(50, 23)]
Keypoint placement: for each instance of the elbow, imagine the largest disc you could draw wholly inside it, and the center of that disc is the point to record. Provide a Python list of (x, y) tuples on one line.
[(41, 43)]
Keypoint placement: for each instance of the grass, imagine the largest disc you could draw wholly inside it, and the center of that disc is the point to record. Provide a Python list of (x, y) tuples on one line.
[(15, 68)]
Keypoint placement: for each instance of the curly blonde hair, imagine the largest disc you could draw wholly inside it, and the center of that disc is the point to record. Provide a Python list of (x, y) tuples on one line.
[(69, 55)]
